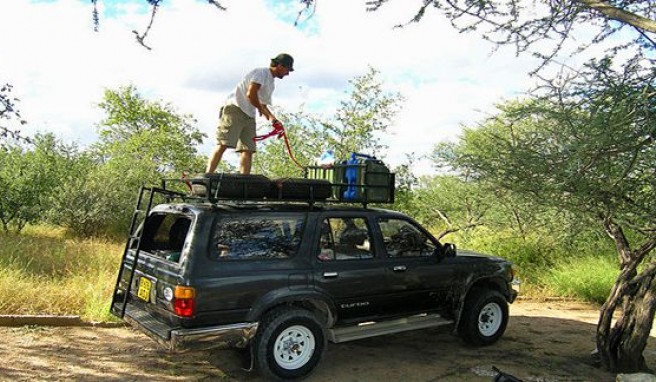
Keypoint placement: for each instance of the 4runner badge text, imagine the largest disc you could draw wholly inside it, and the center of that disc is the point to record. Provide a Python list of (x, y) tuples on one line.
[(355, 305)]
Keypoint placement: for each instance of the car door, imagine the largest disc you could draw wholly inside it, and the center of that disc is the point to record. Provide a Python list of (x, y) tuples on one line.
[(416, 277), (346, 266)]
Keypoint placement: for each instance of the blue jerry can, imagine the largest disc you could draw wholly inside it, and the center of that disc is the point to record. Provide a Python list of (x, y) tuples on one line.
[(368, 180)]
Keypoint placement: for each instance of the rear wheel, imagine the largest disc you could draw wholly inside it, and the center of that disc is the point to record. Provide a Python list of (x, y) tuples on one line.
[(289, 344), (484, 317)]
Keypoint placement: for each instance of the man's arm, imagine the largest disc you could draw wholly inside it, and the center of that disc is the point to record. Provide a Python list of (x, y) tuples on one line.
[(251, 94)]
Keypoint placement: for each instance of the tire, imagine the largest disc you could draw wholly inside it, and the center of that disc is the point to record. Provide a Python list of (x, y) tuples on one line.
[(235, 186), (289, 344), (484, 317)]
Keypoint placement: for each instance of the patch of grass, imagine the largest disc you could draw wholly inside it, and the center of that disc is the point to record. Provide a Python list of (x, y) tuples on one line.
[(589, 278), (530, 256), (43, 272)]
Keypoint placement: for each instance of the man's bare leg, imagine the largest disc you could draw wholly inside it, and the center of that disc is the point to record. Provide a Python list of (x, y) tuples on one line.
[(245, 162), (215, 158)]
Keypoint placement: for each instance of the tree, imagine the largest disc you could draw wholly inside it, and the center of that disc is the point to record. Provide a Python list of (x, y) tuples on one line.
[(357, 126), (28, 177), (527, 26), (148, 132), (588, 147), (90, 201), (141, 141), (531, 26)]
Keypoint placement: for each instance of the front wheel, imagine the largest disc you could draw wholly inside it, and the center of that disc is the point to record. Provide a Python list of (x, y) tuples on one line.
[(289, 345), (484, 317)]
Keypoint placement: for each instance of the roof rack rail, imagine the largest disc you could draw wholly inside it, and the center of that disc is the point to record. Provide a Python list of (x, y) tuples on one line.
[(314, 188)]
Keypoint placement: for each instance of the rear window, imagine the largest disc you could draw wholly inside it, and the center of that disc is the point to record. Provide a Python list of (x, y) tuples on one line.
[(257, 237), (164, 236)]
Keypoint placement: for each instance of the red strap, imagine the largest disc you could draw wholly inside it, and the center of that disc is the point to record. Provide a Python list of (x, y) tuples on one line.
[(279, 130), (289, 150), (185, 179), (270, 134)]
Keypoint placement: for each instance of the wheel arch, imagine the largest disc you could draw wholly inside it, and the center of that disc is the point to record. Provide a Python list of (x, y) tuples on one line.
[(315, 302)]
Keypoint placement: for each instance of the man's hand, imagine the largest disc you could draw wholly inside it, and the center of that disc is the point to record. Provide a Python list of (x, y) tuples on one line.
[(277, 125)]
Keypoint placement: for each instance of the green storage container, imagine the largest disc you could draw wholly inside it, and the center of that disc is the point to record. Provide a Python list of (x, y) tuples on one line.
[(366, 179), (361, 179), (331, 174)]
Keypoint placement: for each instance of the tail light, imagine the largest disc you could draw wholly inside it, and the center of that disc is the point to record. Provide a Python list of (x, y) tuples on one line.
[(184, 303)]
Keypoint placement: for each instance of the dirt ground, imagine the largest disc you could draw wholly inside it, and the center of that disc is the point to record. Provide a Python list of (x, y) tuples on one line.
[(545, 341)]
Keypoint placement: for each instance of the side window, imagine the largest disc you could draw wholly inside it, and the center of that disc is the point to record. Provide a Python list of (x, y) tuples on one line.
[(165, 235), (344, 238), (403, 239), (256, 237)]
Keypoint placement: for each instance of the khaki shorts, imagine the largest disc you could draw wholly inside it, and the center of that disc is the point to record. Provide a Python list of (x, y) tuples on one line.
[(236, 129)]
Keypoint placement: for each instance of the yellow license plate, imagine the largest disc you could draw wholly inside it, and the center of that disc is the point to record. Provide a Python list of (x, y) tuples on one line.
[(144, 289)]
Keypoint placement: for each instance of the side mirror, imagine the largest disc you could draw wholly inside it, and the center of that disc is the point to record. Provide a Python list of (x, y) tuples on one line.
[(449, 250)]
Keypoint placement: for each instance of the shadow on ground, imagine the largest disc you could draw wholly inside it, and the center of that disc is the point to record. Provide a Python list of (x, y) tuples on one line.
[(533, 348)]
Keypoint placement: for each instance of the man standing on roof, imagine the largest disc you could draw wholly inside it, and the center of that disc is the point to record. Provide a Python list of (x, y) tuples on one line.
[(236, 128)]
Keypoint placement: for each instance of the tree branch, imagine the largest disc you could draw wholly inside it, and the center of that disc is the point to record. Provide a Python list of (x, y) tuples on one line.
[(621, 15)]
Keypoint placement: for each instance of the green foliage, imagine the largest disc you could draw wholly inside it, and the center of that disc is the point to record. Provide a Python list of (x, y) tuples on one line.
[(28, 178), (89, 203), (406, 184), (581, 154), (145, 136), (529, 253), (141, 141), (589, 147), (363, 117), (450, 204)]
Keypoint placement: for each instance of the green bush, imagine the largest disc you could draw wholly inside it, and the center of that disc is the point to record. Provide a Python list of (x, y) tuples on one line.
[(92, 205)]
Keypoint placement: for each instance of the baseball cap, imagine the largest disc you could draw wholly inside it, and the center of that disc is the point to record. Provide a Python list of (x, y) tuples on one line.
[(285, 60)]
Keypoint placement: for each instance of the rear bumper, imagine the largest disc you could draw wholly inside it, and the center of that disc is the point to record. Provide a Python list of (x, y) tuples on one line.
[(181, 339)]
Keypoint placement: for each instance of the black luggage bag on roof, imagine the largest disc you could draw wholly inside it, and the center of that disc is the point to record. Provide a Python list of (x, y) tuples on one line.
[(300, 189), (238, 186)]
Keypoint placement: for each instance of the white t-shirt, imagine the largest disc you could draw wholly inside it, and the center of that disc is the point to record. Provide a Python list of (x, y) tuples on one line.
[(260, 76)]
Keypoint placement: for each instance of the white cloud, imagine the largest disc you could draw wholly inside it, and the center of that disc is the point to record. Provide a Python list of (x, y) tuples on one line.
[(59, 66)]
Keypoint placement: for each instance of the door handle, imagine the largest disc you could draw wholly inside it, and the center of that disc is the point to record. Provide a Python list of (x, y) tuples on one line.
[(400, 268), (330, 275)]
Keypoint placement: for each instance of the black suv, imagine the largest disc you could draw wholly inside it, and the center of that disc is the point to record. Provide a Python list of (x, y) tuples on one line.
[(282, 278)]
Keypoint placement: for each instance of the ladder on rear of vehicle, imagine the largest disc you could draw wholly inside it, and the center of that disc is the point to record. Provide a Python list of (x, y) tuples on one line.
[(122, 291)]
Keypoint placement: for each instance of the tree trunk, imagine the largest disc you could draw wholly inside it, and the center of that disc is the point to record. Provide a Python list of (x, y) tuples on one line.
[(621, 345), (632, 301)]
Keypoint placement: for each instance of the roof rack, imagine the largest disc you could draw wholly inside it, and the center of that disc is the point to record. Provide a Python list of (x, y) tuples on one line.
[(320, 185)]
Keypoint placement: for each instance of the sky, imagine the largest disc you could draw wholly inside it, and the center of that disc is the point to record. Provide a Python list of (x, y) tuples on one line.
[(59, 66)]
